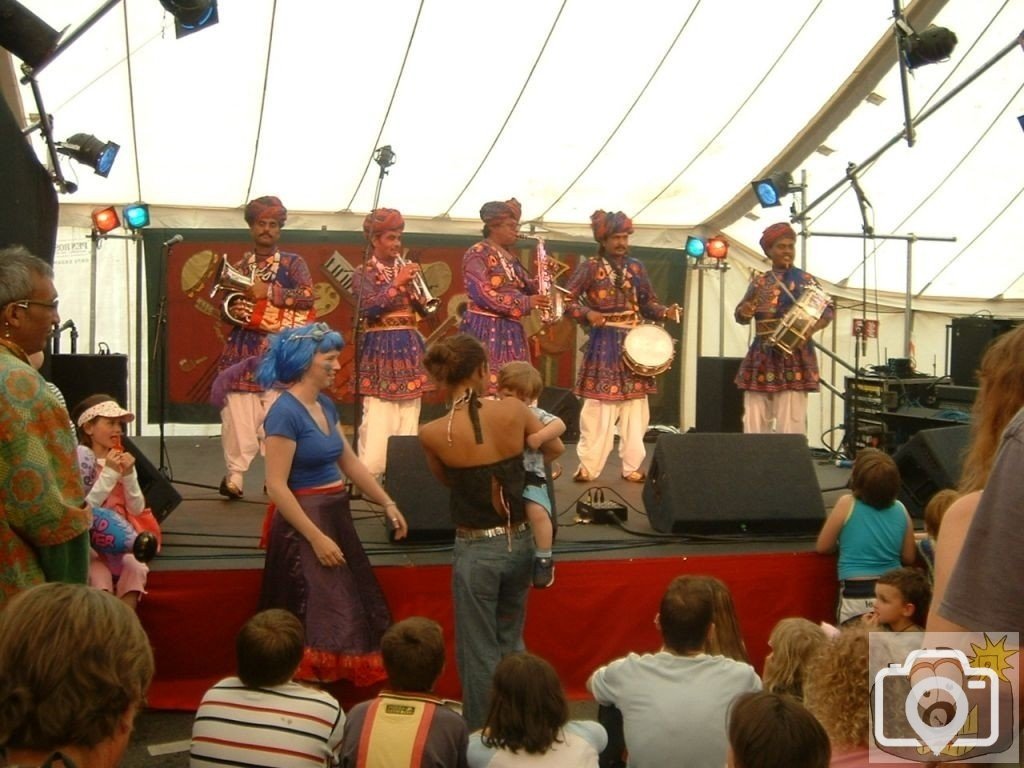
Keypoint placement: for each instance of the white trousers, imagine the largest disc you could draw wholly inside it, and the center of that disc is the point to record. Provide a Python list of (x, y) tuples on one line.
[(241, 434), (784, 413), (597, 433), (381, 420)]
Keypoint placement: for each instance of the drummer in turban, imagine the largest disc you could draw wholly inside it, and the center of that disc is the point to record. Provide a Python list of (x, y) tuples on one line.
[(280, 295), (610, 294), (775, 382), (501, 292), (390, 374)]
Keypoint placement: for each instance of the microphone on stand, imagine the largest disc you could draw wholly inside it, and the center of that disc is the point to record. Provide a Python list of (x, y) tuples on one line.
[(173, 240), (862, 200)]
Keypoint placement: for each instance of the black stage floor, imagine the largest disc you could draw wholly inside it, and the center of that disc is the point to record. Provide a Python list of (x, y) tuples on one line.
[(206, 531)]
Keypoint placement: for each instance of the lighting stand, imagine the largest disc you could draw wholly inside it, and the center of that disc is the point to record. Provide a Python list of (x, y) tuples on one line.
[(901, 30), (385, 158), (703, 265)]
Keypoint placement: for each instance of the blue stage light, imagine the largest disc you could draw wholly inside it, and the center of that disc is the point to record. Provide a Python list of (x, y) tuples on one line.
[(136, 215), (694, 247)]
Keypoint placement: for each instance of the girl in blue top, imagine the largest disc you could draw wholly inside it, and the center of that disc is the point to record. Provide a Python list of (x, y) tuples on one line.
[(315, 566), (872, 530)]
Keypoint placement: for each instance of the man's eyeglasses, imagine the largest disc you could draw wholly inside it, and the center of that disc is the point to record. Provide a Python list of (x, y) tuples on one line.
[(26, 303), (316, 333)]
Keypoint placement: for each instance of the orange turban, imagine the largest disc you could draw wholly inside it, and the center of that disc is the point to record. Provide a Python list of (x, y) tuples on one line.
[(268, 207), (774, 233), (605, 224), (496, 210), (382, 220)]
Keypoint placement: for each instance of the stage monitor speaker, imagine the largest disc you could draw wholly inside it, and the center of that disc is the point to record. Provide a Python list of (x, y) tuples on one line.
[(566, 406), (928, 462), (422, 498), (719, 401), (79, 376), (713, 484), (161, 496), (969, 340)]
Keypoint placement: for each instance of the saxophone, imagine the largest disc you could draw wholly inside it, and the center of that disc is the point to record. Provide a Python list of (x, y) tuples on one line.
[(546, 286)]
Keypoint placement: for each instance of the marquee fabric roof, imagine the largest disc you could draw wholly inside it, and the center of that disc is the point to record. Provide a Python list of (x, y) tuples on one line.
[(665, 109)]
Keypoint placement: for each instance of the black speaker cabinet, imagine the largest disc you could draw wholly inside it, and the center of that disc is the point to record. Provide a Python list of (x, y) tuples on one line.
[(928, 462), (719, 401), (422, 498), (970, 338), (79, 376), (566, 406), (161, 496), (729, 484)]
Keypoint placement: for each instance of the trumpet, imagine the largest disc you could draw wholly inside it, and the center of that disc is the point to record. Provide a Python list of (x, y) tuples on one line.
[(237, 306), (422, 299), (546, 286)]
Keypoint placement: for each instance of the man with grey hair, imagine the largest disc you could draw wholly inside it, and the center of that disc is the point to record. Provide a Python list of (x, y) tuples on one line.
[(44, 521)]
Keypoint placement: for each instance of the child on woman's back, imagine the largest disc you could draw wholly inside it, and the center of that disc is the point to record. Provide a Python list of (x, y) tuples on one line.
[(523, 382), (871, 528), (108, 472)]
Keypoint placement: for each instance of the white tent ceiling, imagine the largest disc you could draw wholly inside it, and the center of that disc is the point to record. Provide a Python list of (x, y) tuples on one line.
[(666, 109)]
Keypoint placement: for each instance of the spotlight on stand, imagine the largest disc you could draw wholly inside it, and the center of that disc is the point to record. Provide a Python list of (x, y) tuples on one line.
[(933, 45), (26, 35), (136, 216), (191, 15), (707, 253), (105, 220), (88, 150), (771, 190), (718, 248), (695, 247)]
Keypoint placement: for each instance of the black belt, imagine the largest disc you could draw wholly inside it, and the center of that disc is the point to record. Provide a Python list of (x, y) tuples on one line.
[(857, 588)]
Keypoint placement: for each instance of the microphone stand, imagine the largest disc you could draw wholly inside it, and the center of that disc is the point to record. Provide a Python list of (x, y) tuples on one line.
[(860, 335), (385, 158)]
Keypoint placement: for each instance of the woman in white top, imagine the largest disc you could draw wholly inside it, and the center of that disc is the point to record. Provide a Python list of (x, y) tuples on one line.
[(528, 721)]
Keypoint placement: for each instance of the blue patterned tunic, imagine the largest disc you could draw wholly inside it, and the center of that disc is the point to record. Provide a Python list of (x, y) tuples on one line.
[(391, 352), (766, 368), (597, 284), (499, 292)]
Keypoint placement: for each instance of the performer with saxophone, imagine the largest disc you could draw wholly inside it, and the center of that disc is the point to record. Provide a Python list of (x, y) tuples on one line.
[(775, 383), (281, 295), (392, 378), (501, 293), (609, 292)]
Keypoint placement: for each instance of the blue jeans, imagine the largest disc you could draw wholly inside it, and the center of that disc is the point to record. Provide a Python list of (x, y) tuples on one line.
[(489, 588)]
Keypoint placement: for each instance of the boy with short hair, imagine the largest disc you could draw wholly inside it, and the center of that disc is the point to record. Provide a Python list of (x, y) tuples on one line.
[(262, 717), (902, 597), (406, 725)]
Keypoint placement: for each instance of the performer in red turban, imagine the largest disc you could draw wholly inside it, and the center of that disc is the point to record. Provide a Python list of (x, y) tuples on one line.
[(281, 296), (609, 293), (392, 378), (501, 292), (775, 382)]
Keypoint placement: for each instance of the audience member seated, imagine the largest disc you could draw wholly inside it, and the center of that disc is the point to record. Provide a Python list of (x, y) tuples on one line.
[(406, 725), (528, 721), (262, 717), (675, 702), (934, 511), (872, 529), (836, 691), (727, 639), (793, 643), (76, 667), (771, 730), (902, 597)]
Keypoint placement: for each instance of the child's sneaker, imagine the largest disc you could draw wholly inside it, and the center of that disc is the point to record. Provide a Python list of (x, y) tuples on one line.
[(543, 572)]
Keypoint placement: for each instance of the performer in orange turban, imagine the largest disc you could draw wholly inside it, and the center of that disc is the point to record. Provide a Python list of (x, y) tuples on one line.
[(775, 383), (392, 378), (609, 293)]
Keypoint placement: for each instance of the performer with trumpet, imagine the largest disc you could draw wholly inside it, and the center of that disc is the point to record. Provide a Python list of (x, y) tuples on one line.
[(609, 293), (501, 292), (392, 378), (775, 378), (280, 295)]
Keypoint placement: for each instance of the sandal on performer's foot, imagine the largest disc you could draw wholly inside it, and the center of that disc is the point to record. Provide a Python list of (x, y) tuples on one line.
[(636, 476)]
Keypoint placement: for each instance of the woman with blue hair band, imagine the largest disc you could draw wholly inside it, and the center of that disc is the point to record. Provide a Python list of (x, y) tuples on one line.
[(315, 565)]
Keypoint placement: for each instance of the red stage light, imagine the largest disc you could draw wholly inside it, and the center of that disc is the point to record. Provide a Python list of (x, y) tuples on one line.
[(105, 220), (718, 248)]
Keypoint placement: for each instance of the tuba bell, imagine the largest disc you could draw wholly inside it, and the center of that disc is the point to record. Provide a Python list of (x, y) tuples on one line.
[(237, 306)]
